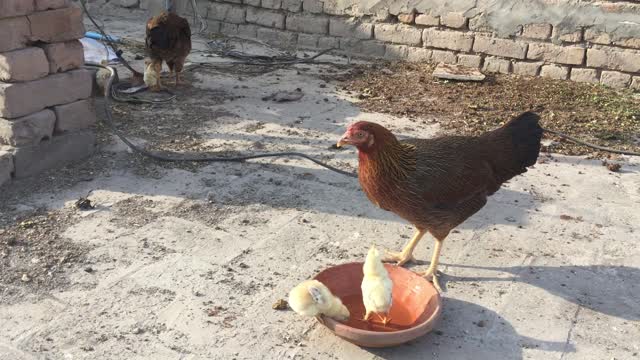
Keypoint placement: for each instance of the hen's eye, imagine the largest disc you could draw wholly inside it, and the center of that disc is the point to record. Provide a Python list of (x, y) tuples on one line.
[(360, 134)]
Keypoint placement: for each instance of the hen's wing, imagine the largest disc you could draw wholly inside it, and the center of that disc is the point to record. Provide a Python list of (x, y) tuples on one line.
[(457, 169)]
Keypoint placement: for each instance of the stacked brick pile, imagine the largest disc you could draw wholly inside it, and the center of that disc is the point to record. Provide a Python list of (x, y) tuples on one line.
[(45, 110), (581, 52)]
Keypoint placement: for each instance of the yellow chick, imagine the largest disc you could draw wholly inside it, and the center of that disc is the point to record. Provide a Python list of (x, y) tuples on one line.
[(152, 75), (376, 287), (311, 298)]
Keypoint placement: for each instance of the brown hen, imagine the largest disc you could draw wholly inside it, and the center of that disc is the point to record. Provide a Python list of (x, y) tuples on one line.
[(436, 184), (168, 39)]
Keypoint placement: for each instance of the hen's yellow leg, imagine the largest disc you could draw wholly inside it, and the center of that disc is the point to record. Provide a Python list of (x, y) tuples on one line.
[(432, 272), (406, 255)]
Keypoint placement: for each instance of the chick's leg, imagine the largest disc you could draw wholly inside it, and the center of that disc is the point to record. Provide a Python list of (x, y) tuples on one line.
[(367, 316), (385, 319), (432, 272), (406, 255)]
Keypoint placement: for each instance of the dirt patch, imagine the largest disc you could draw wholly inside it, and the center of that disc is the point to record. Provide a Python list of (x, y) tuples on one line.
[(134, 212), (34, 258), (594, 113)]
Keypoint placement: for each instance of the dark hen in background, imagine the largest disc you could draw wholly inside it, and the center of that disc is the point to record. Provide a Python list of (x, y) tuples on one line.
[(168, 39)]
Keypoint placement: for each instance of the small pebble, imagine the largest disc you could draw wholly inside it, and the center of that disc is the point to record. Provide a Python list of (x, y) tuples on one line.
[(25, 278), (280, 305)]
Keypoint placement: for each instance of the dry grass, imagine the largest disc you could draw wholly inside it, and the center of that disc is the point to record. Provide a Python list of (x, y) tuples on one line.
[(593, 113)]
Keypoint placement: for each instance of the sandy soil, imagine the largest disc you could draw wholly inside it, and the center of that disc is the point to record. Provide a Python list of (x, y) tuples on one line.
[(184, 261)]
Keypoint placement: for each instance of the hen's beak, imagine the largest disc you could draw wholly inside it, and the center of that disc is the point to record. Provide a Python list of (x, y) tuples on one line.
[(343, 141)]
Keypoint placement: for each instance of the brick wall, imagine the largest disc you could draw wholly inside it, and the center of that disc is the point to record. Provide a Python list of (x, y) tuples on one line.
[(597, 42), (45, 110)]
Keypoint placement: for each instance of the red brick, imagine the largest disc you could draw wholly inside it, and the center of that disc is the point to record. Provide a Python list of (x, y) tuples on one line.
[(15, 33), (27, 130), (57, 25), (12, 8), (20, 99), (23, 65), (57, 152), (74, 116), (64, 56), (42, 5)]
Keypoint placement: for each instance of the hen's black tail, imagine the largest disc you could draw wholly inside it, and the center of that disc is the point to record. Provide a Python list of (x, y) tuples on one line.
[(513, 147), (526, 134), (159, 37)]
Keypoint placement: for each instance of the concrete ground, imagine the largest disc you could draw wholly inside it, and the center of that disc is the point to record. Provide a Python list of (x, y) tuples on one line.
[(185, 263)]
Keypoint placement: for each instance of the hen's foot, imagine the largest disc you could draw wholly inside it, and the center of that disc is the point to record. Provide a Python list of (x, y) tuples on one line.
[(385, 320), (432, 276), (400, 258)]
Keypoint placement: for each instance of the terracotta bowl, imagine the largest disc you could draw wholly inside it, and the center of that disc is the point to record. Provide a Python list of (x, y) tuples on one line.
[(415, 311)]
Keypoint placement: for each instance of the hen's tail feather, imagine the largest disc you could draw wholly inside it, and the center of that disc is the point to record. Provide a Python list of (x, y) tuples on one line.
[(526, 134), (159, 36), (515, 146)]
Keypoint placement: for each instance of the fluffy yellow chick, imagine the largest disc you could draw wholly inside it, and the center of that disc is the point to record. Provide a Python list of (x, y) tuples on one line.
[(311, 298), (376, 287), (152, 75)]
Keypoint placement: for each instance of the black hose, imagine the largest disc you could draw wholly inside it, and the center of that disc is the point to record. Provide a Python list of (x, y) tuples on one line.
[(179, 157), (593, 146)]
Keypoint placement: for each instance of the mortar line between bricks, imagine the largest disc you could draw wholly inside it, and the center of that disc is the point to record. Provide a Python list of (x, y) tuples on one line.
[(574, 321)]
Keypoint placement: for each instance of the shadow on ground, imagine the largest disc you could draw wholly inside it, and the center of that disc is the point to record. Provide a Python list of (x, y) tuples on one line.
[(458, 335), (610, 290)]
